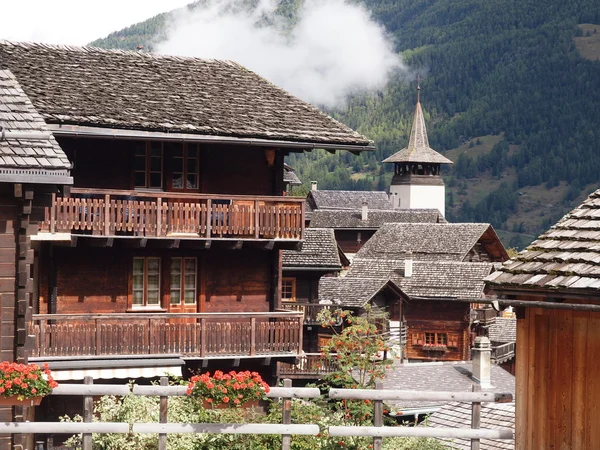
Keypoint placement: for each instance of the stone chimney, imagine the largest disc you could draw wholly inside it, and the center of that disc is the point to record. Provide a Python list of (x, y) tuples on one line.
[(313, 185), (482, 364), (365, 211), (408, 265)]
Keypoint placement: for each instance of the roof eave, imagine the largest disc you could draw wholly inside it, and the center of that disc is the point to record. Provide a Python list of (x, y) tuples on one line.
[(82, 131)]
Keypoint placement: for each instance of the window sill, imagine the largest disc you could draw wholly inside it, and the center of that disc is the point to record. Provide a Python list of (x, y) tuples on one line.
[(146, 309)]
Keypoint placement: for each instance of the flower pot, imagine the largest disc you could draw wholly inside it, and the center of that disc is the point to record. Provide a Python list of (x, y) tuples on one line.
[(14, 401)]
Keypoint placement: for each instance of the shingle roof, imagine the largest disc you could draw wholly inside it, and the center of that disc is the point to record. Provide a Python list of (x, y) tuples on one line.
[(318, 251), (566, 257), (442, 376), (350, 292), (444, 279), (290, 177), (504, 329), (349, 199), (418, 149), (143, 91), (427, 241), (325, 218), (18, 114), (431, 279), (493, 416)]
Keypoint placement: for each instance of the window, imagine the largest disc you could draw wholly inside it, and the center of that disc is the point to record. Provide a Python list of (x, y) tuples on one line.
[(436, 338), (148, 165), (185, 168), (288, 289), (183, 281), (146, 282)]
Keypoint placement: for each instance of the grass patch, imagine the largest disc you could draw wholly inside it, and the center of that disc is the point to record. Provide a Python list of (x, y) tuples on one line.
[(589, 44), (479, 145)]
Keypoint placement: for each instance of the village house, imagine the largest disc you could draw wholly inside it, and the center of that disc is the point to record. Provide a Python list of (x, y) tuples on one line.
[(32, 167), (164, 255), (553, 286)]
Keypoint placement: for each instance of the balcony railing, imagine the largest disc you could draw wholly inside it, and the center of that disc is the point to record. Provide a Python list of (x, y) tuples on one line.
[(162, 214), (203, 335), (503, 352), (310, 365), (310, 310)]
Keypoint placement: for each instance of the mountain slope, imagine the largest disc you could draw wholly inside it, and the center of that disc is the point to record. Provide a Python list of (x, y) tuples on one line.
[(496, 71)]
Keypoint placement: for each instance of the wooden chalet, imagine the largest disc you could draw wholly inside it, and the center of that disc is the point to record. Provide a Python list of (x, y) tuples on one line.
[(32, 167), (165, 253), (554, 286), (426, 276)]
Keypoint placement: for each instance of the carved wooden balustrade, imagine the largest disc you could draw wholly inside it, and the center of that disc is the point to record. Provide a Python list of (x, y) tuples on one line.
[(309, 365), (310, 310), (163, 214), (201, 335)]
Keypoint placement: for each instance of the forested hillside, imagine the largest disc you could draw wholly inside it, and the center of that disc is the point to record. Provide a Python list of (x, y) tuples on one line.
[(510, 92)]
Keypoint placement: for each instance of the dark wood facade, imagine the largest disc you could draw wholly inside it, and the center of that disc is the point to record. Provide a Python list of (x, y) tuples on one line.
[(351, 241), (437, 330)]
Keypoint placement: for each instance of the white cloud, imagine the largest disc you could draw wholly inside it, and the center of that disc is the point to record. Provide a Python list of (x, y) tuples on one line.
[(335, 47), (75, 22)]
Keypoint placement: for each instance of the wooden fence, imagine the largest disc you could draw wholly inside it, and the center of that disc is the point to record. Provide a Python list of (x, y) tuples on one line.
[(286, 393)]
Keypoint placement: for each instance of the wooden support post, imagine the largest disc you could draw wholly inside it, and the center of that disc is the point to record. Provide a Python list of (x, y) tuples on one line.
[(106, 215), (98, 326), (209, 218), (253, 336), (286, 439), (159, 217), (475, 417), (256, 220), (203, 337), (162, 418), (53, 214), (88, 412), (378, 418)]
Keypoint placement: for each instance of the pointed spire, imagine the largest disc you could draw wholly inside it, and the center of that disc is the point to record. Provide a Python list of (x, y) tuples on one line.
[(418, 149)]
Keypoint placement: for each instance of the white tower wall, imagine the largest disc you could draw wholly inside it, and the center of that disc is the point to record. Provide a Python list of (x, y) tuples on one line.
[(410, 196)]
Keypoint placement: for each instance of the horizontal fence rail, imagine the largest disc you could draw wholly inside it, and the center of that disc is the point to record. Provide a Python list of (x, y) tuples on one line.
[(202, 335), (161, 214), (286, 428)]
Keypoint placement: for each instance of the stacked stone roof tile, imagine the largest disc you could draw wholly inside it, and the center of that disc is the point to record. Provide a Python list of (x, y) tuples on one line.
[(352, 219), (565, 257), (318, 251), (18, 114), (143, 91), (349, 199)]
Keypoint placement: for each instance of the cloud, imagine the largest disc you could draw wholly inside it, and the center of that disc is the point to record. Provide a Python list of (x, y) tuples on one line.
[(333, 49)]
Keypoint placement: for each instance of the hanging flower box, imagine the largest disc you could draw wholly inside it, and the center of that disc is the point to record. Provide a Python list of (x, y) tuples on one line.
[(227, 390), (435, 347), (24, 384)]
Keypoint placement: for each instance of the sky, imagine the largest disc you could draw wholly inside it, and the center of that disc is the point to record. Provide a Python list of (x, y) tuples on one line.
[(75, 22)]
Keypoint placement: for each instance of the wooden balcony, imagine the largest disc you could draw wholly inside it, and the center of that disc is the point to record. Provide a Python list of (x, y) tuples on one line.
[(309, 366), (503, 352), (200, 335), (111, 213), (309, 310)]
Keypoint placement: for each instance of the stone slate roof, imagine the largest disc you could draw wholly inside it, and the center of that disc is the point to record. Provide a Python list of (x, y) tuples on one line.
[(349, 199), (18, 114), (444, 279), (441, 376), (503, 330), (142, 91), (493, 416), (325, 218), (430, 279), (427, 241), (350, 292), (319, 250), (565, 258), (418, 149), (290, 177)]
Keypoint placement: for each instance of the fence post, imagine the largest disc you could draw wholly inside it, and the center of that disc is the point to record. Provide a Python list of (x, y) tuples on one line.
[(378, 418), (475, 417), (88, 411), (162, 418), (286, 439)]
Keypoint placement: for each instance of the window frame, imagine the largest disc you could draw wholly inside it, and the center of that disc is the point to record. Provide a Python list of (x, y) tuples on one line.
[(148, 168), (145, 274), (292, 281), (185, 165), (182, 274), (437, 338)]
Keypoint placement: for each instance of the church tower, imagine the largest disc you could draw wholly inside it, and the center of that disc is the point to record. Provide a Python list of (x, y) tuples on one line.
[(417, 183)]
